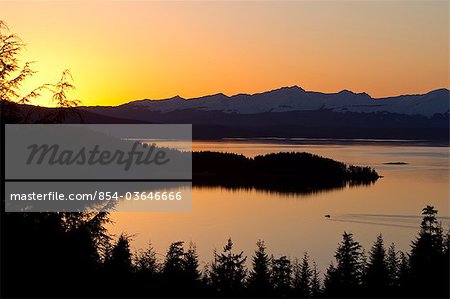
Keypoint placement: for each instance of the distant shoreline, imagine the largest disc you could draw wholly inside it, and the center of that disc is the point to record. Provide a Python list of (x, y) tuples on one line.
[(326, 141)]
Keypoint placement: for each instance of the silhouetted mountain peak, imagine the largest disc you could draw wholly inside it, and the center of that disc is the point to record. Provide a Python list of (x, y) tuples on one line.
[(293, 88), (346, 91), (176, 98), (212, 96), (287, 89), (440, 91)]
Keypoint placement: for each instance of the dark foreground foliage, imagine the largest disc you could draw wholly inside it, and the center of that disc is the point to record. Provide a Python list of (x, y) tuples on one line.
[(72, 255)]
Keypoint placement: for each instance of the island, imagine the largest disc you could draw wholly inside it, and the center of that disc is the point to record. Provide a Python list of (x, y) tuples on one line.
[(286, 172)]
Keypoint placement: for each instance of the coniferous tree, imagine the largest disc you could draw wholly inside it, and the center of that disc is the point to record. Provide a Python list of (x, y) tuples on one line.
[(118, 265), (259, 279), (427, 257), (363, 268), (173, 263), (393, 267), (146, 271), (316, 290), (296, 277), (281, 276), (331, 281), (145, 261), (346, 278), (302, 278), (173, 268), (65, 106), (377, 278), (403, 274), (86, 239), (228, 272), (191, 272), (12, 76), (119, 259)]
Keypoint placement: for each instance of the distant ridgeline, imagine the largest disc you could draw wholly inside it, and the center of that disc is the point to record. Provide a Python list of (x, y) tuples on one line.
[(280, 172), (286, 112)]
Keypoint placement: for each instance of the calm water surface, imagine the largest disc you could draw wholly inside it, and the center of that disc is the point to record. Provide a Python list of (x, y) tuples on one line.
[(293, 224)]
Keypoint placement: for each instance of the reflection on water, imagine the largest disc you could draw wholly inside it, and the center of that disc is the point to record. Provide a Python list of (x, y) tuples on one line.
[(283, 190), (292, 224)]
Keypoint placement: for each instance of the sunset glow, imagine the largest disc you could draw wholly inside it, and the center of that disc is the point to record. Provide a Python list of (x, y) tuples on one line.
[(123, 51)]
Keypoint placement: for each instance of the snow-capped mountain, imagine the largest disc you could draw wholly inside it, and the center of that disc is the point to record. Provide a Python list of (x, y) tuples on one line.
[(294, 112), (294, 98)]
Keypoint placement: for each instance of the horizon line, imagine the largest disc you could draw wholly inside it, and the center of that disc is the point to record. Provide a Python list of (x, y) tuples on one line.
[(262, 92)]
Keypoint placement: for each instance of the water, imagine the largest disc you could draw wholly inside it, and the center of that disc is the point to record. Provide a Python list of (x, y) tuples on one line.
[(293, 224)]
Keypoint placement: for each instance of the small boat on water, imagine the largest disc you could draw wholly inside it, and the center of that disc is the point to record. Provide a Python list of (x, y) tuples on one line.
[(327, 216)]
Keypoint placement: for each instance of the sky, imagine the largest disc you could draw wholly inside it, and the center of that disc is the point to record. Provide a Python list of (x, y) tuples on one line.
[(123, 51)]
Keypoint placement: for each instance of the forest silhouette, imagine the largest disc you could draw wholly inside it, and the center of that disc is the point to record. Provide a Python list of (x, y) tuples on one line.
[(72, 255)]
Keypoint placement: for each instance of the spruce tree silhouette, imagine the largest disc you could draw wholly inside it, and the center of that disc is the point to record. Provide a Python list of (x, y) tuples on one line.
[(377, 278), (13, 75), (228, 272), (427, 258), (281, 276), (259, 279), (145, 261), (86, 240), (316, 288), (191, 272), (393, 267), (119, 260), (119, 267), (146, 272), (302, 280), (404, 275), (345, 280), (173, 269), (331, 282)]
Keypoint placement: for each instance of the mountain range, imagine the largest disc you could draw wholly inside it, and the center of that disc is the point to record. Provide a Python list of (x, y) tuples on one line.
[(294, 112), (295, 98)]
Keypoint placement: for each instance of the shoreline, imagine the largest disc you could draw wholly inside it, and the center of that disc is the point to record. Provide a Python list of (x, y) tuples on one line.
[(326, 141)]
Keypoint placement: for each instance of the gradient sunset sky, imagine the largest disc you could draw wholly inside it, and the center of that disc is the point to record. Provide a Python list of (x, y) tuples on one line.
[(123, 51)]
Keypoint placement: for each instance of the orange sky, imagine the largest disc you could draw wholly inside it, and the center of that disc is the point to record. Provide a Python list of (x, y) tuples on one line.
[(122, 51)]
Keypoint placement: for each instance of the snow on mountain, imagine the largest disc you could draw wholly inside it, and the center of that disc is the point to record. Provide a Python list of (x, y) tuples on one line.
[(297, 99)]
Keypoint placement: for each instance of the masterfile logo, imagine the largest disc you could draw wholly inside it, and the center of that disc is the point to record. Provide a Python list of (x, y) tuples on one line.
[(71, 168), (53, 154), (98, 152)]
